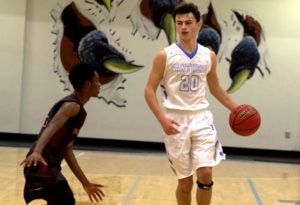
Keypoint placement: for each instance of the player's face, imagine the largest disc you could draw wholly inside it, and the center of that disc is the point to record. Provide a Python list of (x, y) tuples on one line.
[(95, 85), (186, 26)]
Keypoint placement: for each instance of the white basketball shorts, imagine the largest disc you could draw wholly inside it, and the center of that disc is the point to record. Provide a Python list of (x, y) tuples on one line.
[(196, 145)]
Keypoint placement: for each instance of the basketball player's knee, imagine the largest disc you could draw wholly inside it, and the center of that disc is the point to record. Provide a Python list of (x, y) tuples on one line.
[(204, 176), (206, 186), (185, 187)]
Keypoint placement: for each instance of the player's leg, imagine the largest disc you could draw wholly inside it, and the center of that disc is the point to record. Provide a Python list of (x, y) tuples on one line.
[(57, 194), (184, 190), (206, 153), (204, 185), (31, 195), (178, 148), (60, 194)]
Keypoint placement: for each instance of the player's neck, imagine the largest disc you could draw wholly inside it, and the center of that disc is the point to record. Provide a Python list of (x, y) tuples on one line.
[(188, 46), (82, 98)]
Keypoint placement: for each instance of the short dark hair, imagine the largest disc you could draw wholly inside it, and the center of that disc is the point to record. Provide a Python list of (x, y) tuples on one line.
[(81, 73), (184, 8)]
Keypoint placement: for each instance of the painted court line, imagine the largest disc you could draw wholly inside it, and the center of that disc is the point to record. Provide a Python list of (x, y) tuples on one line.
[(252, 187), (133, 188)]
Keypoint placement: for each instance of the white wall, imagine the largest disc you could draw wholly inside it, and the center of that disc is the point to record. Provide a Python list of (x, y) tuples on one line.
[(29, 86), (277, 96), (41, 87), (12, 21)]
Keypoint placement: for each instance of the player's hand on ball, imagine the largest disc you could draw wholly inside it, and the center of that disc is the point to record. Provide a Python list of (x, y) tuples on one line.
[(94, 192)]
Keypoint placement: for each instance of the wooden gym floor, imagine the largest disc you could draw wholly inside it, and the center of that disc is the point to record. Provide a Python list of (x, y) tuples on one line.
[(144, 178)]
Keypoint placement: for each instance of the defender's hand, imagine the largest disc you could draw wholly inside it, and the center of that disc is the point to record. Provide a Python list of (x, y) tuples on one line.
[(33, 159), (94, 192)]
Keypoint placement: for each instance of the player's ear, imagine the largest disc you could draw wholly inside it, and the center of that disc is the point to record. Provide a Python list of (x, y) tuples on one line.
[(199, 23), (87, 83)]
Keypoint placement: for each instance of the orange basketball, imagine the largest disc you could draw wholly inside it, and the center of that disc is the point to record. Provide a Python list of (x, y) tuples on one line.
[(244, 120)]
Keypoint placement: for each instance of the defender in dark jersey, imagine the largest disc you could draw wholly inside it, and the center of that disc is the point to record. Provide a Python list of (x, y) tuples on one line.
[(42, 169)]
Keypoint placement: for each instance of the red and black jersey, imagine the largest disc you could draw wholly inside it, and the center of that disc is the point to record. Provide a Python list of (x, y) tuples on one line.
[(65, 134), (54, 151)]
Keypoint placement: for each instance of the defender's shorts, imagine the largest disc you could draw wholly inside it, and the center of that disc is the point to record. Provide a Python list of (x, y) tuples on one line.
[(196, 145)]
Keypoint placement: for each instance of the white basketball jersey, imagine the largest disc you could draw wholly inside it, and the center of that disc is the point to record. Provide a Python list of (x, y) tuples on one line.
[(184, 82)]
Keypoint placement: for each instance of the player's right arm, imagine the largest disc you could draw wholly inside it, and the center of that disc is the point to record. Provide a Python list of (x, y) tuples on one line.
[(155, 78), (66, 111), (93, 190)]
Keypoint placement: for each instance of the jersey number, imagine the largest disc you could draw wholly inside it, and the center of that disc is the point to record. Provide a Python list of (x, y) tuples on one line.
[(189, 83)]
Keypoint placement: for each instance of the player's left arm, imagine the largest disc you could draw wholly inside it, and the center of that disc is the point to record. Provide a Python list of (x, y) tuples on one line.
[(214, 86), (93, 190)]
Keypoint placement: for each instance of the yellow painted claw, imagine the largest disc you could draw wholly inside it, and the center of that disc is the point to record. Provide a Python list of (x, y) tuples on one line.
[(107, 4), (168, 26), (239, 79), (120, 66)]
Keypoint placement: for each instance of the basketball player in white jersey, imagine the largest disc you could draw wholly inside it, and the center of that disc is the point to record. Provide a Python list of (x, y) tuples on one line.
[(182, 71)]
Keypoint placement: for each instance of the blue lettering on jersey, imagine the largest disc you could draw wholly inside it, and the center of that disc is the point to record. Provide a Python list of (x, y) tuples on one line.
[(188, 68)]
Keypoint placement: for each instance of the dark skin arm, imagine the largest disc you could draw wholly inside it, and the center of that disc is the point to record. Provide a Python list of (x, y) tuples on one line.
[(66, 111), (93, 190)]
